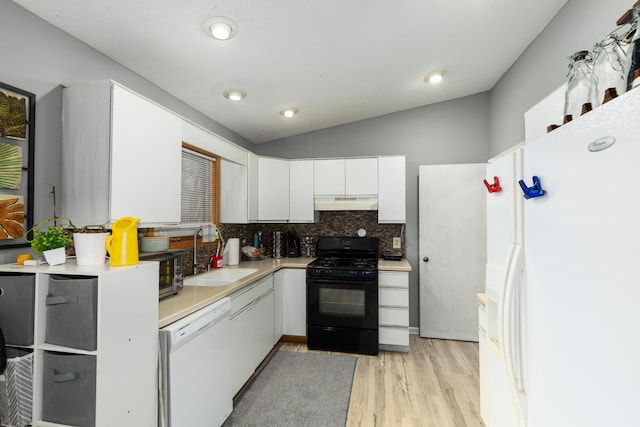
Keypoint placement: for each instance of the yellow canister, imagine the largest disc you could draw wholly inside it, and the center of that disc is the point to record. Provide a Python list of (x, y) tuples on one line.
[(122, 245)]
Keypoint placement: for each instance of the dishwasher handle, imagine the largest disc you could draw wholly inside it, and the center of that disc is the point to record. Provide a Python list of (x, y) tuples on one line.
[(179, 333)]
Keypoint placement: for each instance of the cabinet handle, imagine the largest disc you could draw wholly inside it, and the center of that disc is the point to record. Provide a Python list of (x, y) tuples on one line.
[(425, 259), (66, 377), (64, 299)]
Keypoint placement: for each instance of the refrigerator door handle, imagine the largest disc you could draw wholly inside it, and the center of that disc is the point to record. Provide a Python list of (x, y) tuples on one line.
[(534, 191), (511, 327), (495, 187)]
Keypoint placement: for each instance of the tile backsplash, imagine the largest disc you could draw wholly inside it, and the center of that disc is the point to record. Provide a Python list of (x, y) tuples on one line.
[(330, 224)]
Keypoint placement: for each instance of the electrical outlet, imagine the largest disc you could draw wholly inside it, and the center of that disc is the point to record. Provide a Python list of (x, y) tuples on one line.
[(397, 243)]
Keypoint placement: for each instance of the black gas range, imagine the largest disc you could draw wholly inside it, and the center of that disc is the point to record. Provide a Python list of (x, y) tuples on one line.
[(348, 268), (342, 295)]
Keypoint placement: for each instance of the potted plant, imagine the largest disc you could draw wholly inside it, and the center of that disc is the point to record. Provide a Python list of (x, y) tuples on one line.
[(50, 242), (89, 244)]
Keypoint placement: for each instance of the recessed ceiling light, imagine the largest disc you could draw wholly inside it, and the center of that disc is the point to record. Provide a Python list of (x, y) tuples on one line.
[(435, 77), (289, 112), (221, 28), (234, 94)]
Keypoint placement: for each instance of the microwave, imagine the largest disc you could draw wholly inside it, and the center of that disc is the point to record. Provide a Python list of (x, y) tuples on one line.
[(170, 271)]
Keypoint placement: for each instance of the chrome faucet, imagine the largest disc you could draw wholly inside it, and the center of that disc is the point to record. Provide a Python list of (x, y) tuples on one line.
[(195, 248)]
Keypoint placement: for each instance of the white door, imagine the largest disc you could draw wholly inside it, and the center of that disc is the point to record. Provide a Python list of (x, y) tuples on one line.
[(452, 249)]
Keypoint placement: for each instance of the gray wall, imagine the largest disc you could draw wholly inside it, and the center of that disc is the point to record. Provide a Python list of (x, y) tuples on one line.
[(38, 58), (427, 135), (543, 66)]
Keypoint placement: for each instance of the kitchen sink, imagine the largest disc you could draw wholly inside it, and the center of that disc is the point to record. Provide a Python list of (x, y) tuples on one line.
[(219, 277)]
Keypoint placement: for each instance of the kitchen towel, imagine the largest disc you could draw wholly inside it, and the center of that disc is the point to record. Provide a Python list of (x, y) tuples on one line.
[(232, 251), (209, 232)]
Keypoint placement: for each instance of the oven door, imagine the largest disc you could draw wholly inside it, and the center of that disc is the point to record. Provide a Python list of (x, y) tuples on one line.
[(342, 303)]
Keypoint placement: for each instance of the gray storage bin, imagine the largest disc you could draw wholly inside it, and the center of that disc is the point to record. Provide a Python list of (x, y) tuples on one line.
[(72, 311), (17, 299), (16, 388), (69, 389)]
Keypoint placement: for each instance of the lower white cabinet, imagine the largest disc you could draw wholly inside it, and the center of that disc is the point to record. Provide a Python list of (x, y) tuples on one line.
[(295, 302), (251, 321), (106, 373), (393, 311)]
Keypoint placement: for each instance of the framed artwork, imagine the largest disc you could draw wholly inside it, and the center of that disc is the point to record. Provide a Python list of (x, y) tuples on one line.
[(17, 143)]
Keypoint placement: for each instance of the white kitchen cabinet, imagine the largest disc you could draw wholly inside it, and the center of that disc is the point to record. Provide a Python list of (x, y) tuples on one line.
[(268, 189), (328, 177), (392, 189), (346, 177), (301, 207), (295, 302), (126, 338), (278, 305), (121, 156), (234, 204), (393, 310), (252, 186), (361, 176), (251, 322)]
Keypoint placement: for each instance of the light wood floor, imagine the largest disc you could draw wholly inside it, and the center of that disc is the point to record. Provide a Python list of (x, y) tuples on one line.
[(435, 384)]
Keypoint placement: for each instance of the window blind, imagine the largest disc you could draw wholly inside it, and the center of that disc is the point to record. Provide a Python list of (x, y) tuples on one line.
[(197, 187)]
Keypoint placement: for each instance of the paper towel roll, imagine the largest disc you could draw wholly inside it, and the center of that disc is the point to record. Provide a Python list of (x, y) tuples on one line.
[(232, 251)]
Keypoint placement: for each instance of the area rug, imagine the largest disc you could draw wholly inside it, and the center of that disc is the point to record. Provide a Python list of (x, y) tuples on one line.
[(297, 389)]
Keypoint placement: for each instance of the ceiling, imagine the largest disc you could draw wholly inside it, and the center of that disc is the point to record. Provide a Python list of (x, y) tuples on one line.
[(337, 61)]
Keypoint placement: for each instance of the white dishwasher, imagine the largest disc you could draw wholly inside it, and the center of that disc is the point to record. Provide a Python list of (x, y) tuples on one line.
[(195, 369)]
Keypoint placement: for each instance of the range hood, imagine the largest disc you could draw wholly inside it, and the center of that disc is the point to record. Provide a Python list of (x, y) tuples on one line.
[(345, 203)]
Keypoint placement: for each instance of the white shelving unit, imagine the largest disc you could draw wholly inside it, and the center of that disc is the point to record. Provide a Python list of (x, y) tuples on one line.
[(126, 337)]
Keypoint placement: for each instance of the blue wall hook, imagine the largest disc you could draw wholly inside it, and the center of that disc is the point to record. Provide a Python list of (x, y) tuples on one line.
[(534, 191)]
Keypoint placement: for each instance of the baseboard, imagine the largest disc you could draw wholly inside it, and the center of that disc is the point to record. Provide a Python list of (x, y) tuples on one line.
[(296, 339)]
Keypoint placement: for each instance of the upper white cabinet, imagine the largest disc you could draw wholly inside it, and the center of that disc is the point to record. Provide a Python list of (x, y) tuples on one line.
[(301, 191), (328, 177), (340, 177), (391, 189), (121, 156), (233, 193), (268, 189), (361, 176)]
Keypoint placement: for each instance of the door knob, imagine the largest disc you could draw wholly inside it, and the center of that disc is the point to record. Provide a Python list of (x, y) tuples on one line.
[(425, 259)]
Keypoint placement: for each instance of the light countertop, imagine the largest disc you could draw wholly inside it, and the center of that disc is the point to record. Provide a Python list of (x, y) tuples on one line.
[(193, 298)]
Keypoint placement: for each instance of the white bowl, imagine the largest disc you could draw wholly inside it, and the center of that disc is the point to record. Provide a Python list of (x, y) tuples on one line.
[(154, 244)]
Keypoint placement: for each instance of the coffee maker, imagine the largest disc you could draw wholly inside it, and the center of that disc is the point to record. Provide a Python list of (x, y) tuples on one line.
[(293, 245)]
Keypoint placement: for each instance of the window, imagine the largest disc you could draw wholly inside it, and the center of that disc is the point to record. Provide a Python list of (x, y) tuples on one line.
[(200, 184)]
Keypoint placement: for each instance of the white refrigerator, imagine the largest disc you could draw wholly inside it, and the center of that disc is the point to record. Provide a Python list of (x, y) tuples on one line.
[(563, 310)]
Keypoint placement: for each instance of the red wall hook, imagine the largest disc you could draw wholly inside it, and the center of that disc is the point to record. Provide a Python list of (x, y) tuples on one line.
[(495, 187)]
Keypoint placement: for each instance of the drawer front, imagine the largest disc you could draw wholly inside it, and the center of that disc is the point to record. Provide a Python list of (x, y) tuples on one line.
[(247, 294), (394, 297), (389, 316), (393, 279), (393, 336)]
